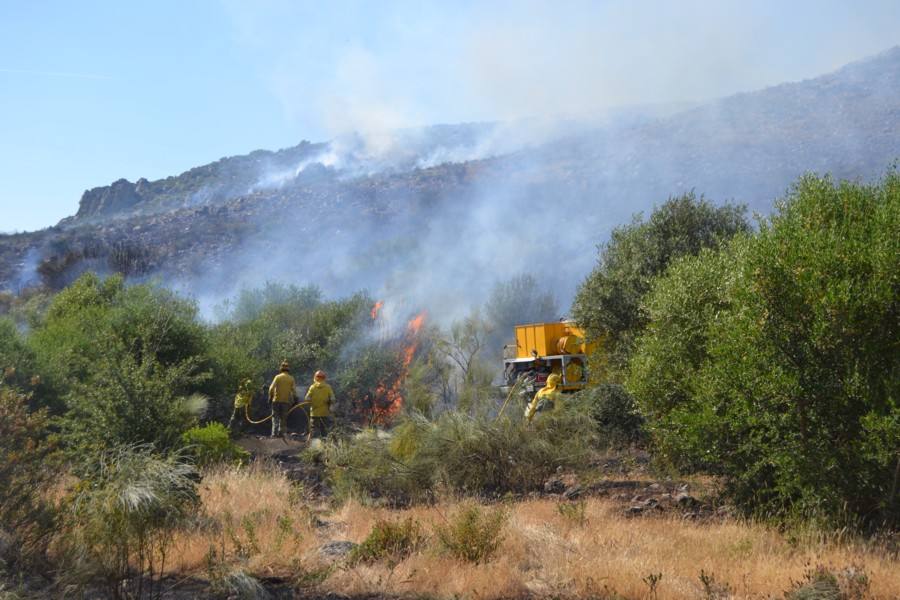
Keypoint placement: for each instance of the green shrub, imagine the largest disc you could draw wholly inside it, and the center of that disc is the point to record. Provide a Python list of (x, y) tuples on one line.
[(123, 359), (389, 541), (462, 453), (608, 302), (573, 512), (122, 517), (211, 444), (821, 583), (362, 467), (472, 533), (27, 470), (615, 413), (775, 363)]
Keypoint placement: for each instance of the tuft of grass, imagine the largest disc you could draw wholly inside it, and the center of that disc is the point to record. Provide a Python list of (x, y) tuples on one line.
[(573, 512), (390, 541), (468, 455), (473, 533), (822, 583), (122, 520)]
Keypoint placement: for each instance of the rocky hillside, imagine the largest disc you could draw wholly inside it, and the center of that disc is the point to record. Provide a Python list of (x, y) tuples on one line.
[(429, 212)]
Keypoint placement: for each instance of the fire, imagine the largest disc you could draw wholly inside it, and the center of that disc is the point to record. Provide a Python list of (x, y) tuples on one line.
[(376, 309), (389, 400)]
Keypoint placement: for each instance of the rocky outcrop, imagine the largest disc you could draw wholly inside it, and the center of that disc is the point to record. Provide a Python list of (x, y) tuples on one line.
[(119, 197)]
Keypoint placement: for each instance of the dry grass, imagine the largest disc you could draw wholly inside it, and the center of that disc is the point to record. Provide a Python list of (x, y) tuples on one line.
[(543, 554)]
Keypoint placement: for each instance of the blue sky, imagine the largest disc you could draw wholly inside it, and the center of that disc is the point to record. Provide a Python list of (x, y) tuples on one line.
[(93, 91)]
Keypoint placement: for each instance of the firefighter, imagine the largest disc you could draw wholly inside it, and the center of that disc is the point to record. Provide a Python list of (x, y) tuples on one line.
[(282, 393), (548, 398), (242, 400), (320, 397)]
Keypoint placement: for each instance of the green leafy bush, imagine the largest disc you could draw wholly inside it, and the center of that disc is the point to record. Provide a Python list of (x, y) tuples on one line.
[(123, 359), (122, 518), (775, 363), (615, 413), (389, 541), (472, 533), (211, 445), (608, 302)]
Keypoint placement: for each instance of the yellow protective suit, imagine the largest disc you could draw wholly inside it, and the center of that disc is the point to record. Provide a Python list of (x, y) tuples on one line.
[(283, 388), (550, 393), (244, 394), (320, 397)]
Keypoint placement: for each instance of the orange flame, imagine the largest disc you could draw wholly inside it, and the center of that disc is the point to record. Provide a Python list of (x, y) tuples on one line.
[(376, 309), (391, 398)]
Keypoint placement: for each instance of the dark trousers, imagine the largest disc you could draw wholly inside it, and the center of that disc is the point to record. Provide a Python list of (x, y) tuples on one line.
[(319, 426), (236, 422), (279, 417)]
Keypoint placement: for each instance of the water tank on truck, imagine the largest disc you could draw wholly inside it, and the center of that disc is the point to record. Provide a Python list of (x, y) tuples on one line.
[(544, 348)]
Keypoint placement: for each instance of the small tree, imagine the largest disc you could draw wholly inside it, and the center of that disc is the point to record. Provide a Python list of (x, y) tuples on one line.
[(776, 363), (608, 302)]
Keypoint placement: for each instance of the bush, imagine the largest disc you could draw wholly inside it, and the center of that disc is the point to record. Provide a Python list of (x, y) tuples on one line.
[(390, 541), (822, 583), (122, 518), (472, 534), (211, 445), (775, 363), (608, 302), (26, 472), (123, 359), (363, 467), (615, 413), (458, 452)]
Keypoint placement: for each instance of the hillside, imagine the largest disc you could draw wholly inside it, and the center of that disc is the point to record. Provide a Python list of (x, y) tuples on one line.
[(414, 215)]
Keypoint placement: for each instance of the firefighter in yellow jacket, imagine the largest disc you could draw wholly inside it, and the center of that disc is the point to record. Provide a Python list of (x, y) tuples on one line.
[(548, 398), (320, 397), (242, 399), (282, 393)]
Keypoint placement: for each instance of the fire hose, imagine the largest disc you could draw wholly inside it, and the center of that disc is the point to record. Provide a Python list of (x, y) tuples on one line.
[(249, 420)]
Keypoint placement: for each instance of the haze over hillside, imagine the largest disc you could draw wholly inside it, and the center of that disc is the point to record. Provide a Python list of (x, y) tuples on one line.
[(432, 217)]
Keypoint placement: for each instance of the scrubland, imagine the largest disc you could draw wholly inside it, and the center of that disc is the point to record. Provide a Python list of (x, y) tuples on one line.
[(256, 521)]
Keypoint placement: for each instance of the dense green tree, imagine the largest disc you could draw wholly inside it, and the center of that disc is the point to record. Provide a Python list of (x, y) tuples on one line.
[(608, 302), (123, 360), (777, 363)]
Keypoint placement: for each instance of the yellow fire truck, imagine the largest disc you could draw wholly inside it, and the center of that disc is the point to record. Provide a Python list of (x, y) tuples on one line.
[(544, 348)]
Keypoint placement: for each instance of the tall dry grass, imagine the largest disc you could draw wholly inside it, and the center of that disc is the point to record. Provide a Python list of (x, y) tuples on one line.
[(544, 553)]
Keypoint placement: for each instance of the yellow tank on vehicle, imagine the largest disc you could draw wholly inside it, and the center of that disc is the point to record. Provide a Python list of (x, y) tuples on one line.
[(541, 349), (548, 339)]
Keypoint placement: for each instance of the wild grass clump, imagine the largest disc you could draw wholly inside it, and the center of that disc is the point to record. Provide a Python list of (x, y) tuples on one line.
[(473, 533), (211, 445), (459, 453), (363, 467), (823, 583), (390, 541), (122, 518)]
